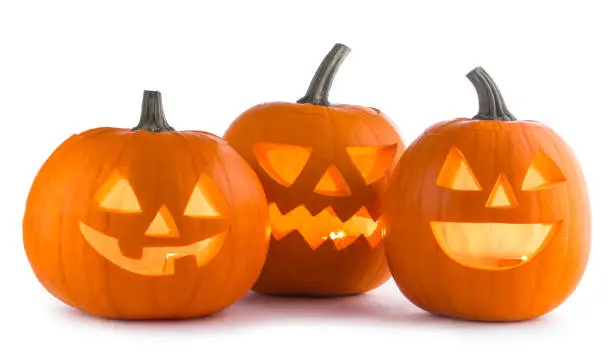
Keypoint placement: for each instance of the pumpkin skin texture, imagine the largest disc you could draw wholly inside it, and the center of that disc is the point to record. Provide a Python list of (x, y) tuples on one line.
[(324, 169), (146, 223), (502, 236)]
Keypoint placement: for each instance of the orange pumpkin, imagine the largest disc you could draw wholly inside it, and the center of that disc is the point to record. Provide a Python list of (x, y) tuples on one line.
[(324, 169), (488, 218), (146, 223)]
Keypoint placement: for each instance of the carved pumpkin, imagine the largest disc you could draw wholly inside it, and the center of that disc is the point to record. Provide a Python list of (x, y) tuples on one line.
[(146, 223), (488, 218), (324, 169)]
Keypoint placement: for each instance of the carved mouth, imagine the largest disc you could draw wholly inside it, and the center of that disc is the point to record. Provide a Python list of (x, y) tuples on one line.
[(155, 261), (492, 245), (325, 226)]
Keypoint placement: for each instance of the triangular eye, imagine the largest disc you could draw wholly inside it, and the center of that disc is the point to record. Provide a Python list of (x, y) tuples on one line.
[(206, 200), (372, 162), (332, 183), (456, 173), (282, 162), (117, 195), (199, 206), (542, 173)]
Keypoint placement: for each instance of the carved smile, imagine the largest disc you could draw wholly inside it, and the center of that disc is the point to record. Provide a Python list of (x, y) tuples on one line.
[(492, 245), (325, 226), (155, 261)]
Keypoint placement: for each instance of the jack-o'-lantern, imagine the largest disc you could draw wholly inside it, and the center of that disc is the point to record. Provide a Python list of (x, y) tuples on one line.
[(488, 218), (146, 222), (324, 169)]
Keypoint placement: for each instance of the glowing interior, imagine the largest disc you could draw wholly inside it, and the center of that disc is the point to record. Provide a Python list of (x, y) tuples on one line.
[(324, 226), (332, 183), (502, 195), (283, 162), (491, 245), (155, 261), (542, 173), (199, 206), (372, 161), (163, 225), (456, 173), (117, 195)]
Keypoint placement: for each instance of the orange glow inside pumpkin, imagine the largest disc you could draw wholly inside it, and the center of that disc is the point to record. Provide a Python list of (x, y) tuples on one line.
[(117, 195), (502, 195), (283, 162), (163, 225), (155, 261), (456, 174), (332, 183), (491, 245), (372, 162), (542, 173), (325, 226)]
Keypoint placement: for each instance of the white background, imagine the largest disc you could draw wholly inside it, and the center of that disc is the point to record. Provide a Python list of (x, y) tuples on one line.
[(70, 66)]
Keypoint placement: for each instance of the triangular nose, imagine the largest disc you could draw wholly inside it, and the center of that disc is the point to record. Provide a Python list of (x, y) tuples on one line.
[(332, 183), (502, 195), (162, 225)]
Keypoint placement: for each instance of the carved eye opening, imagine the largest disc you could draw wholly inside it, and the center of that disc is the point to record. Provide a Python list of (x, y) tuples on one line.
[(117, 195), (542, 173), (373, 162), (283, 162), (456, 174), (206, 200)]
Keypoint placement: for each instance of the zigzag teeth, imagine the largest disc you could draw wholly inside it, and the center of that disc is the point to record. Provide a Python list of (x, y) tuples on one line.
[(324, 227), (361, 212)]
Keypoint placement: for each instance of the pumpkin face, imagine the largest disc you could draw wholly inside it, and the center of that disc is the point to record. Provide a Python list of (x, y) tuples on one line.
[(324, 169), (469, 235), (488, 219), (140, 234), (322, 187), (138, 224)]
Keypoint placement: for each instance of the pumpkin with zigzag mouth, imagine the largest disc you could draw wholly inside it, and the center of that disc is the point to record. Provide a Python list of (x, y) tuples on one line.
[(324, 169)]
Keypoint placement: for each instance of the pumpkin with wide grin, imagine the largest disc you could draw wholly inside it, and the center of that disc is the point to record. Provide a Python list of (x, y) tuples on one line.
[(487, 218), (146, 223)]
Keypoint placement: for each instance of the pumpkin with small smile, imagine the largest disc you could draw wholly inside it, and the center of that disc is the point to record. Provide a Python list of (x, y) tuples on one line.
[(488, 218), (146, 223), (324, 168)]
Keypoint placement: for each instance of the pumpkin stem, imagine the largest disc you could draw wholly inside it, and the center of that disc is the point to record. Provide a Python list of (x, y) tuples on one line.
[(318, 91), (152, 116), (491, 104)]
